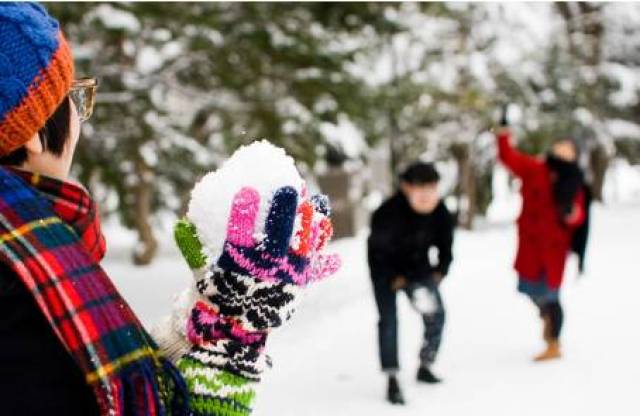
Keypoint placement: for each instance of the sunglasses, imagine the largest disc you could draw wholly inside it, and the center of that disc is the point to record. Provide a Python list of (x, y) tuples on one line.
[(83, 95)]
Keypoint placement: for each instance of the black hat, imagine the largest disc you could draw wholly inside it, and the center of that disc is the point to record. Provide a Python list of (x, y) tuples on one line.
[(420, 173)]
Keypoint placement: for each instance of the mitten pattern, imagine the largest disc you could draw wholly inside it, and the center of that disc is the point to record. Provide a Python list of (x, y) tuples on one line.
[(246, 285)]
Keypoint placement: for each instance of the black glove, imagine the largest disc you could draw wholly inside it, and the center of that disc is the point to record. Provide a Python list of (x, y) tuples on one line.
[(504, 121)]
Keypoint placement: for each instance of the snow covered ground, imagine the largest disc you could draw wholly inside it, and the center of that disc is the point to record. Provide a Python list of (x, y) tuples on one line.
[(325, 360)]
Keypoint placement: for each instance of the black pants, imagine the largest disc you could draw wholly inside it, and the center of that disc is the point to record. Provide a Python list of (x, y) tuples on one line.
[(388, 324), (554, 313)]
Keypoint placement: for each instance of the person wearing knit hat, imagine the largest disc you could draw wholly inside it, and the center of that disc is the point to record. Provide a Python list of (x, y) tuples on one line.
[(69, 343), (36, 72)]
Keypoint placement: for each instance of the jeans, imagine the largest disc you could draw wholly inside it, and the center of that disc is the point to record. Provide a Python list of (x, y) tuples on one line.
[(433, 317), (554, 313), (547, 300)]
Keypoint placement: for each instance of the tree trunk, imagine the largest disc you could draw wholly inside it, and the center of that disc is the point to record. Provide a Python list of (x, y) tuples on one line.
[(466, 189), (598, 162), (394, 130), (337, 184), (394, 152), (147, 246)]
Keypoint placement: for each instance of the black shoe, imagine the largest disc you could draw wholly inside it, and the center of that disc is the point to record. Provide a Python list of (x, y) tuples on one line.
[(394, 395), (426, 376)]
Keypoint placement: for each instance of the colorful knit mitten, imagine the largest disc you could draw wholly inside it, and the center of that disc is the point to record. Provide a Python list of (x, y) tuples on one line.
[(249, 283)]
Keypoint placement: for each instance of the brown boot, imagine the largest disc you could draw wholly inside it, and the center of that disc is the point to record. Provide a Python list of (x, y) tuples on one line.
[(552, 352)]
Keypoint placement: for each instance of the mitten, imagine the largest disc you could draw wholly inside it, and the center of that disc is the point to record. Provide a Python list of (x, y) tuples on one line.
[(504, 116), (248, 283)]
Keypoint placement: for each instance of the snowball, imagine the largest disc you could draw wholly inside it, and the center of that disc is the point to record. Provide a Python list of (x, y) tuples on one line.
[(260, 165)]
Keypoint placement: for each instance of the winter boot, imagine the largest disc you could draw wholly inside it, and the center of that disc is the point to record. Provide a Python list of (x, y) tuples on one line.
[(394, 394), (552, 352), (426, 376)]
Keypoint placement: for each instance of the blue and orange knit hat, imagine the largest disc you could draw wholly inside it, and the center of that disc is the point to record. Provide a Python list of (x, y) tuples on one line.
[(36, 72)]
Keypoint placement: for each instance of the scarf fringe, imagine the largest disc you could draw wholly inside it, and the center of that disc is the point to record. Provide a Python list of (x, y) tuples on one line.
[(146, 388)]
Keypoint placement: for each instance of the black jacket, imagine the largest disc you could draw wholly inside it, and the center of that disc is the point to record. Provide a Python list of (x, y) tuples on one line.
[(581, 234), (401, 239), (37, 375)]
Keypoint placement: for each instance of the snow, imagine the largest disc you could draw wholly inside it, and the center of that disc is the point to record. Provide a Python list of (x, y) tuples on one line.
[(211, 198), (505, 205), (629, 82), (623, 129), (622, 183), (584, 116), (148, 60), (114, 18), (325, 360), (523, 28), (345, 135)]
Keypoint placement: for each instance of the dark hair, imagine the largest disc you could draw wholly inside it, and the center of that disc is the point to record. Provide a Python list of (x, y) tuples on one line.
[(53, 136), (420, 173)]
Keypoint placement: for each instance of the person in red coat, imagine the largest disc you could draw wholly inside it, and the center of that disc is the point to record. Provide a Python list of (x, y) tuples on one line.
[(553, 207)]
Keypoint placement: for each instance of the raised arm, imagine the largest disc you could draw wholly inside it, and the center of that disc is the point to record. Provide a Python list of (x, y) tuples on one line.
[(517, 162)]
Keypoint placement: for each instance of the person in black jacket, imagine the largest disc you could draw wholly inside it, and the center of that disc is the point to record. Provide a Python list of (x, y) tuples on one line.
[(406, 231)]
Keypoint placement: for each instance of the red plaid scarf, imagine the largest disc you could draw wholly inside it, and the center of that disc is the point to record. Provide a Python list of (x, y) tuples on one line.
[(74, 206), (50, 236)]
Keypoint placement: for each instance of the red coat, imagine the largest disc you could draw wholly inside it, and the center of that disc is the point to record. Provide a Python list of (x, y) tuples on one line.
[(544, 240)]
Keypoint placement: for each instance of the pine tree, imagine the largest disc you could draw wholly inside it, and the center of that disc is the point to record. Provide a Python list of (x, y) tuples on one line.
[(182, 85)]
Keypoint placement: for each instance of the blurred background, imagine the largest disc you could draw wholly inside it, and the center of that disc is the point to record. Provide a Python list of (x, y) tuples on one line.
[(355, 92)]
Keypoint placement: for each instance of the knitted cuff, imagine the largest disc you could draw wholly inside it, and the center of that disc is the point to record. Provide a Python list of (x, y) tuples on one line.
[(223, 342), (223, 365), (215, 392)]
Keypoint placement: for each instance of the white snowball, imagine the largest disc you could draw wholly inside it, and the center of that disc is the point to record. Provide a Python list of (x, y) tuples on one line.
[(260, 165)]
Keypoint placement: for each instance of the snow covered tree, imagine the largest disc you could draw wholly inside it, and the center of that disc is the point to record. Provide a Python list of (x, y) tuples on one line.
[(432, 95), (184, 84), (622, 65), (570, 86)]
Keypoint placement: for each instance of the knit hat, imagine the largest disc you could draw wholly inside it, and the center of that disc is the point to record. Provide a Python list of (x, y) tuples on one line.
[(36, 71)]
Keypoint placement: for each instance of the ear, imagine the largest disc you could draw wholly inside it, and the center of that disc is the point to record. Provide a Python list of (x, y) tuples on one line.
[(405, 188), (34, 145)]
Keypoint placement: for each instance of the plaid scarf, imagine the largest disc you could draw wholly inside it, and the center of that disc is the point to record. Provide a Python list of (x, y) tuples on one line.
[(74, 206), (50, 236)]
